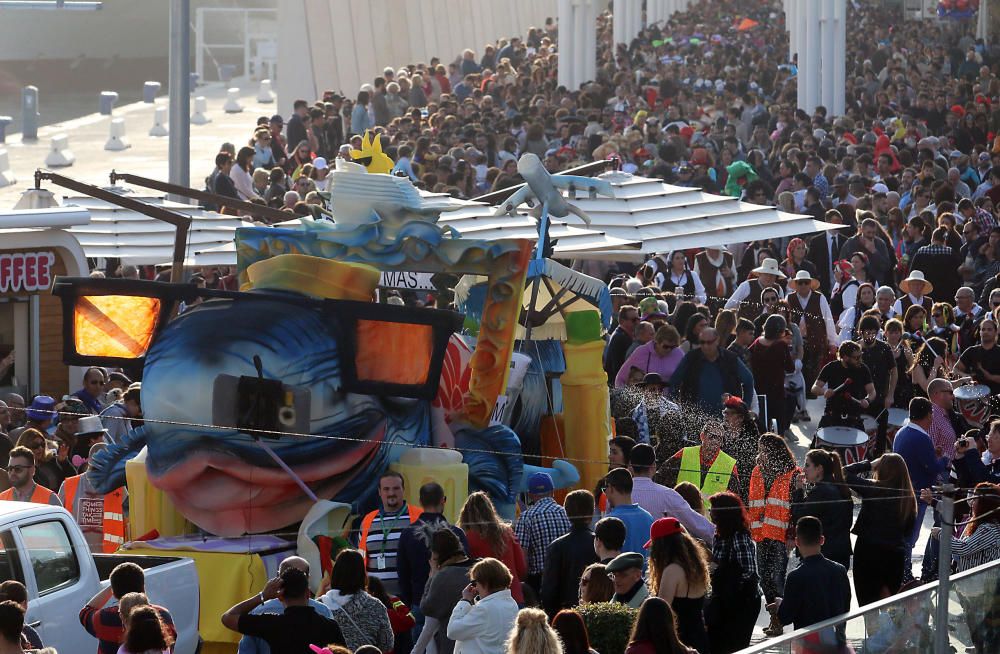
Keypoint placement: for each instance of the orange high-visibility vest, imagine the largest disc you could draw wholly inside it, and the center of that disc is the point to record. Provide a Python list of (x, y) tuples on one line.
[(41, 495), (770, 515), (113, 527), (366, 524)]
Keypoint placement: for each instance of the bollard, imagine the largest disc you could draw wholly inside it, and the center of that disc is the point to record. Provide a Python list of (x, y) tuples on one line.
[(4, 121), (117, 141), (200, 115), (193, 80), (226, 72), (29, 113), (232, 105), (6, 176), (264, 94), (159, 127), (149, 91), (107, 102), (59, 154)]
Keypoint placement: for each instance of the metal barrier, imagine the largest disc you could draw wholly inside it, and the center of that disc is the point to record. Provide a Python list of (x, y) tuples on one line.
[(906, 622), (250, 35)]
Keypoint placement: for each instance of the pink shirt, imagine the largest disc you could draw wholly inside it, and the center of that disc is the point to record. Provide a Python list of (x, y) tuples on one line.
[(941, 432), (646, 359)]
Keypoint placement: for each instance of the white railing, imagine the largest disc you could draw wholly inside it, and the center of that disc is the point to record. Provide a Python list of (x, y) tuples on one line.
[(225, 35)]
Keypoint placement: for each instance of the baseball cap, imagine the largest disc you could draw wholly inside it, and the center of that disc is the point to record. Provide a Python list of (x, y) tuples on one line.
[(319, 163), (662, 528), (540, 483)]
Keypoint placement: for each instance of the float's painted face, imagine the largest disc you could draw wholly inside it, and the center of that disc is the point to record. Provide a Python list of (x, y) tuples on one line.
[(221, 479)]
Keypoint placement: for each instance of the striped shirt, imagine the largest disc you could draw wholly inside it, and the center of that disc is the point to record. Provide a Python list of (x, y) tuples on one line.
[(977, 549), (382, 544)]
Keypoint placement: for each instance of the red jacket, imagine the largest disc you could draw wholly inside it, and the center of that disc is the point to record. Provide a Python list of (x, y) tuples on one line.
[(513, 558), (400, 617)]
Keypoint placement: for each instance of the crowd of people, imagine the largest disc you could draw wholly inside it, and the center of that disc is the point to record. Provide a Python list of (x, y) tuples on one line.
[(712, 356)]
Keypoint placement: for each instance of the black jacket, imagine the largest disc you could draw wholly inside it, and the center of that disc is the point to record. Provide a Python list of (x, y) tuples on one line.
[(615, 354), (567, 557), (878, 521), (835, 511), (820, 257)]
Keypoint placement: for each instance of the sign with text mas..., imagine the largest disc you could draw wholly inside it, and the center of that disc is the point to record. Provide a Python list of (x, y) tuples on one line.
[(26, 271), (414, 281)]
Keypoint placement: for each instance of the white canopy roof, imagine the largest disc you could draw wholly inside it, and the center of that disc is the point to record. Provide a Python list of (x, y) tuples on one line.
[(140, 239), (645, 217)]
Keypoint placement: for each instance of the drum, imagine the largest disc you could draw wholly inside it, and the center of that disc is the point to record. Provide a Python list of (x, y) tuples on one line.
[(850, 443), (972, 401), (897, 418)]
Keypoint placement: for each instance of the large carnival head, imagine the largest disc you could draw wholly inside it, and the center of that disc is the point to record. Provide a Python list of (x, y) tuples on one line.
[(302, 368)]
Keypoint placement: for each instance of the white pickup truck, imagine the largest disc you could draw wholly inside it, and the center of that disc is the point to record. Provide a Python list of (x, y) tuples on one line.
[(42, 547)]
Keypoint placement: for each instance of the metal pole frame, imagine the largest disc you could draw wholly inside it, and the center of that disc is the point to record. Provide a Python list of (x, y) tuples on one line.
[(179, 146), (181, 222), (941, 639)]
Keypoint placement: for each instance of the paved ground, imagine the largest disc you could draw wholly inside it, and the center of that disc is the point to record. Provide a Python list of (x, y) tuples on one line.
[(147, 156)]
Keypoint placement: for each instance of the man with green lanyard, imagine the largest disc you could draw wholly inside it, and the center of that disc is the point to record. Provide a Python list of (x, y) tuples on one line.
[(380, 529), (706, 465)]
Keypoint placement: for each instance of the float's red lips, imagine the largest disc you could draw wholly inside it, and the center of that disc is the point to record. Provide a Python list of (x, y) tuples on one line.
[(227, 496)]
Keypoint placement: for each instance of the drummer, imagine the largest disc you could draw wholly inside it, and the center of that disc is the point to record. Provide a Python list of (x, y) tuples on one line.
[(847, 386), (983, 361), (877, 357)]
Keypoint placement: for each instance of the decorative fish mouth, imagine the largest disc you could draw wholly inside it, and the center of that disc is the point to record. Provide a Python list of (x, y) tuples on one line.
[(230, 491)]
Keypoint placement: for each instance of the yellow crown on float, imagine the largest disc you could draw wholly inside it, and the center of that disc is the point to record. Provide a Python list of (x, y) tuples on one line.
[(323, 278)]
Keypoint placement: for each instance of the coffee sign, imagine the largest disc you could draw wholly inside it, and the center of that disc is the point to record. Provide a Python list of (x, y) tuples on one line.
[(26, 271)]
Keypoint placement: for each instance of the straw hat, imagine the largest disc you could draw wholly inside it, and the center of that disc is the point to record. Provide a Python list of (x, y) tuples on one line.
[(916, 276), (804, 276), (769, 267)]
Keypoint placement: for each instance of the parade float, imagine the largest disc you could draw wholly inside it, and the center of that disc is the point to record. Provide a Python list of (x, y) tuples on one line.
[(269, 412)]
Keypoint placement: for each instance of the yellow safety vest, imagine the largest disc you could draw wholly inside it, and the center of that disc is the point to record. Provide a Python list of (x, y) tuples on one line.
[(717, 479)]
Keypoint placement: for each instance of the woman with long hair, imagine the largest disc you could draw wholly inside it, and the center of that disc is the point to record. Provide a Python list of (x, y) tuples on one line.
[(851, 316), (449, 575), (732, 611), (678, 573), (696, 322), (932, 360), (943, 324), (903, 357), (913, 325), (822, 492), (770, 361), (595, 585), (980, 543), (47, 471), (300, 157), (770, 515), (241, 172), (533, 635), (795, 259), (884, 525), (145, 633), (725, 325), (572, 631), (489, 536), (655, 630), (362, 619)]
